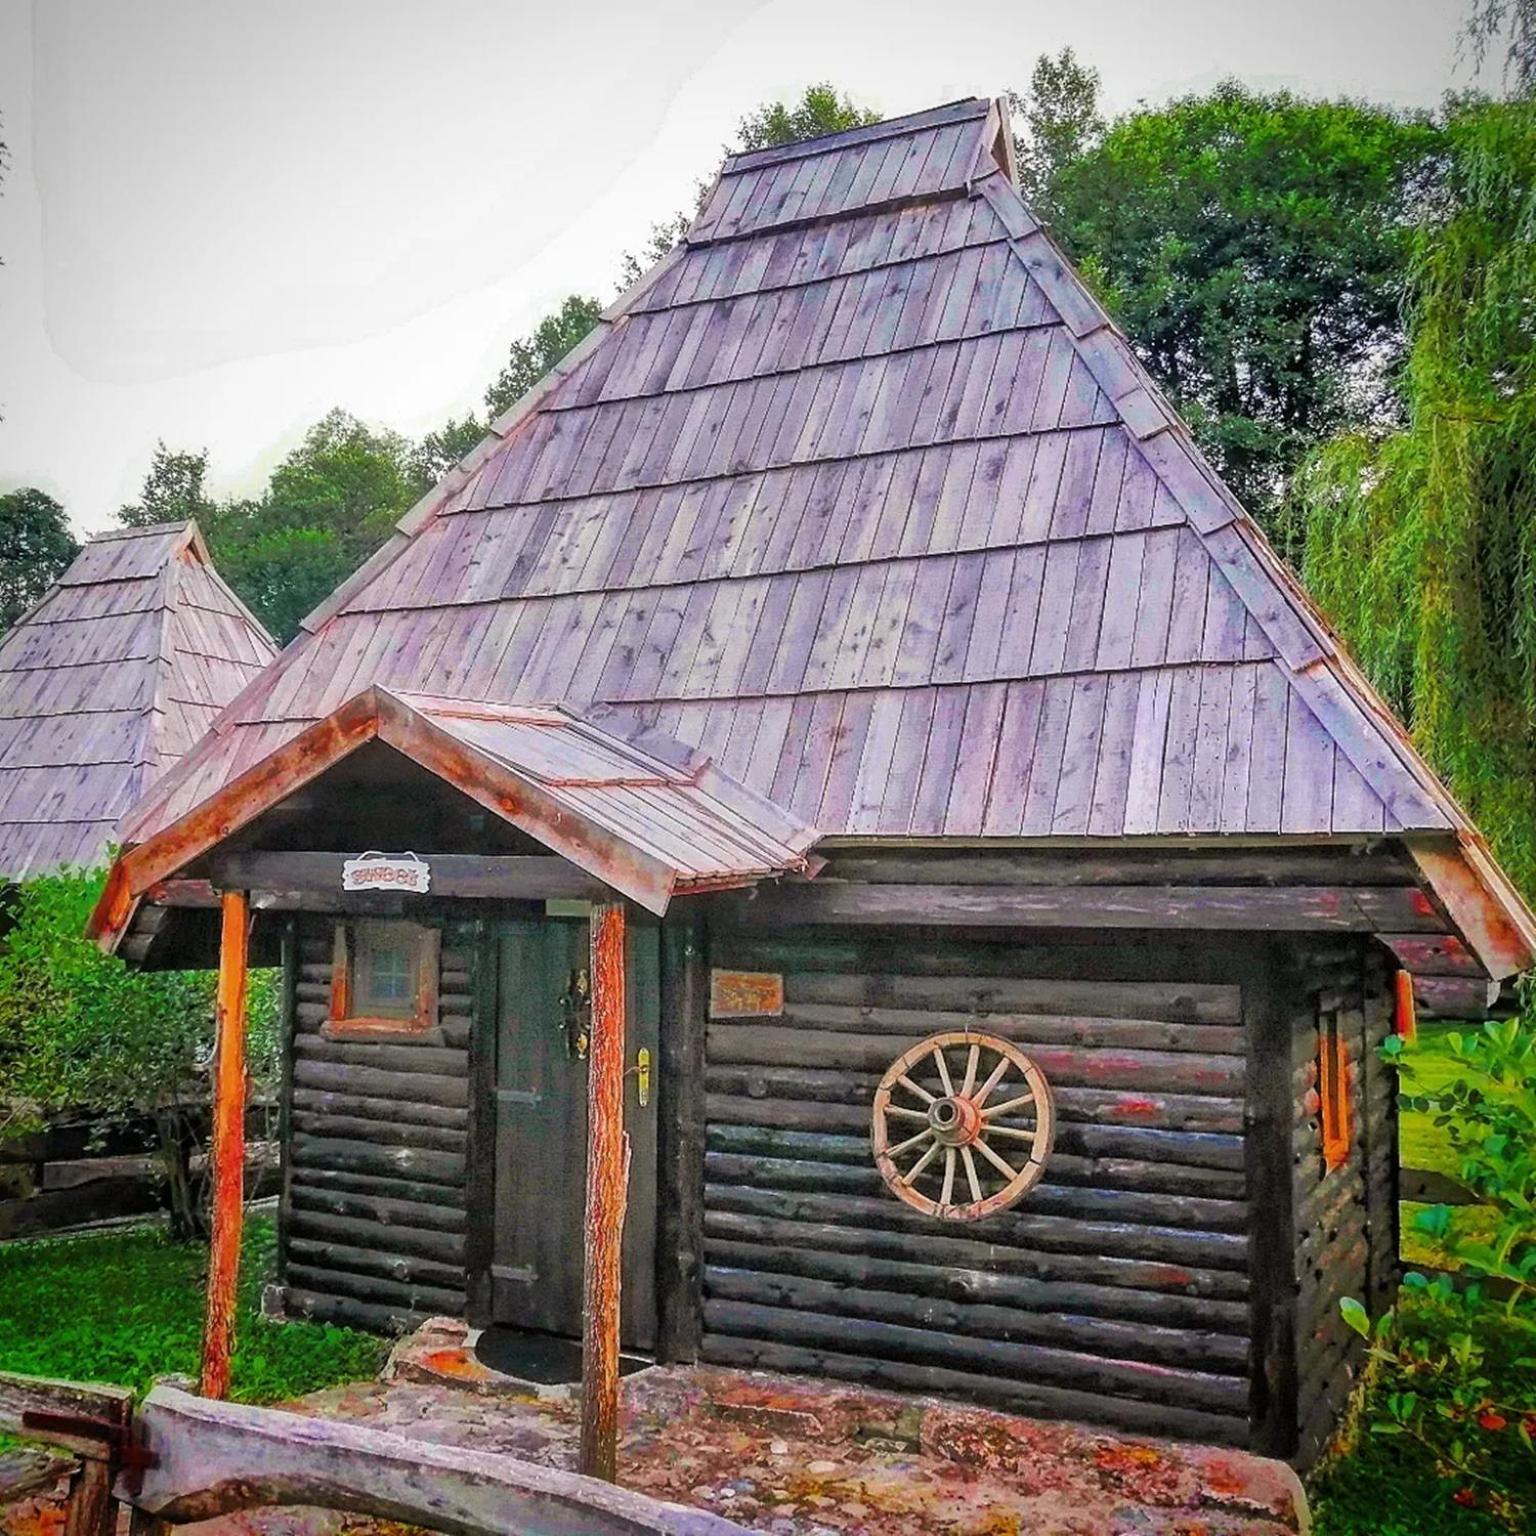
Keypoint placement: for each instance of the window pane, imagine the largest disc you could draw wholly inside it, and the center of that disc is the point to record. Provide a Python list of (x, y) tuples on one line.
[(385, 971)]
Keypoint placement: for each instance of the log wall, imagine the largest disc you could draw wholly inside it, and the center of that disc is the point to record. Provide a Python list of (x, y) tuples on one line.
[(1346, 1217), (375, 1194), (1117, 1291)]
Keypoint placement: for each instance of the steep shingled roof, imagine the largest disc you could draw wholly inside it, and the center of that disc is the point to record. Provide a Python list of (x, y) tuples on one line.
[(860, 493), (106, 682)]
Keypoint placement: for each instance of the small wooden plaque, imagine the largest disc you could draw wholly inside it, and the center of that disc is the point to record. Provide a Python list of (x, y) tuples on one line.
[(746, 994)]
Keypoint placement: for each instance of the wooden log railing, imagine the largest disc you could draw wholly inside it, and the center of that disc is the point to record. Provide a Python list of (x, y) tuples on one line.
[(181, 1458)]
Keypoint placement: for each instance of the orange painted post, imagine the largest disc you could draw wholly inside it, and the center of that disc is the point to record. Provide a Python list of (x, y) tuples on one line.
[(1405, 1016), (228, 1147), (607, 1181)]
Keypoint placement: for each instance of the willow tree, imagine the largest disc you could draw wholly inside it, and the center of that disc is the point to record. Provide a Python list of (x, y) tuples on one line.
[(1421, 543)]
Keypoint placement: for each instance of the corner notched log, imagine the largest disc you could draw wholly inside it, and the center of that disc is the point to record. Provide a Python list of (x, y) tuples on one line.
[(228, 1145), (607, 1180)]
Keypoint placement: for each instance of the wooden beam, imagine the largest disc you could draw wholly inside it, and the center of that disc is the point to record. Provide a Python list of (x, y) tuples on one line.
[(227, 1145), (607, 1190), (1490, 916), (520, 878), (1296, 909), (213, 1459)]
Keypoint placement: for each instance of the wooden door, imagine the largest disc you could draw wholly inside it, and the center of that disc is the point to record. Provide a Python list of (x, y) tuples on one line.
[(541, 1129)]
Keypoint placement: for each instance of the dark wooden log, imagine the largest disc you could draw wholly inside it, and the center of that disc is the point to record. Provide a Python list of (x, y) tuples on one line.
[(1454, 997), (31, 1215), (366, 1157), (346, 1312), (228, 1145), (1150, 1176), (385, 1133), (368, 1261), (1097, 1204), (1015, 1362), (681, 1136), (441, 1247), (466, 875), (1065, 1066), (386, 1213), (287, 1026), (440, 1060), (386, 1111), (446, 1196), (409, 1087), (970, 1276), (1083, 1333), (1135, 1273), (971, 978), (1201, 908), (1275, 866), (1042, 1029), (1014, 1396), (607, 1191), (1055, 1234), (410, 1294)]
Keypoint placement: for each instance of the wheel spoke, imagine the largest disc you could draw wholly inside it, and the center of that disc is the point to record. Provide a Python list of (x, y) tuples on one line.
[(1002, 1109), (949, 1087), (910, 1142), (917, 1088), (970, 1174), (948, 1192), (970, 1071), (1016, 1135), (1003, 1167), (999, 1072), (923, 1161), (903, 1113)]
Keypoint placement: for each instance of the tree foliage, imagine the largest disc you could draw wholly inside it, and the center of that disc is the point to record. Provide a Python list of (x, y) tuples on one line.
[(81, 1032), (1512, 24), (1420, 543), (173, 490), (35, 547), (1252, 246), (533, 356), (1056, 122)]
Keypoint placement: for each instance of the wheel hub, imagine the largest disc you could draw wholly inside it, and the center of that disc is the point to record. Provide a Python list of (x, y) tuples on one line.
[(955, 1120)]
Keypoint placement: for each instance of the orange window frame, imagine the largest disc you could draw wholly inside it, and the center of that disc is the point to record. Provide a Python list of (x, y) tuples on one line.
[(1333, 1081), (344, 1023)]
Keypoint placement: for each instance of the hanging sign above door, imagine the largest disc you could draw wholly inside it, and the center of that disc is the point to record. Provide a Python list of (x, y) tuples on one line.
[(386, 872)]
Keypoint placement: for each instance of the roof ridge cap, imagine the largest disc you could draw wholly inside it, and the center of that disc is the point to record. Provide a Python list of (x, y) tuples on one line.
[(865, 133)]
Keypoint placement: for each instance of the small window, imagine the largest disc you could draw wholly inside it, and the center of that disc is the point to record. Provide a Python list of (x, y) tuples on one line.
[(1333, 1089), (383, 980)]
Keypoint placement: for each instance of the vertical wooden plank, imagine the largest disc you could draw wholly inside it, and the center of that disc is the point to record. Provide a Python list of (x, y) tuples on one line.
[(607, 1189), (227, 1143), (480, 1148), (680, 1122), (1270, 1000)]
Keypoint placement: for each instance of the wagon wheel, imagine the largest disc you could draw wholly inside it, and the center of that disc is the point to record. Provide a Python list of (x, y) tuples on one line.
[(962, 1115)]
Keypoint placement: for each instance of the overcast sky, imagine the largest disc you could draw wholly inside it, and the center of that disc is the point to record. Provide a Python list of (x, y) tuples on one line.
[(221, 218)]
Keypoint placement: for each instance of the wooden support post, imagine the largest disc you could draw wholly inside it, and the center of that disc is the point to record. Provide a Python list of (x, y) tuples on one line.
[(607, 1181), (228, 1145)]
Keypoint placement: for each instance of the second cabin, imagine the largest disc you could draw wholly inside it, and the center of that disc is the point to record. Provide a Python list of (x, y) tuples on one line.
[(1007, 880)]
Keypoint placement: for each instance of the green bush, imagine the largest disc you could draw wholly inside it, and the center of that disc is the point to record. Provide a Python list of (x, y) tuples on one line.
[(82, 1033)]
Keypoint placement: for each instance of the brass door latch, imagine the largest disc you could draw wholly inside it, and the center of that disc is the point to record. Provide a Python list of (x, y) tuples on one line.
[(642, 1076)]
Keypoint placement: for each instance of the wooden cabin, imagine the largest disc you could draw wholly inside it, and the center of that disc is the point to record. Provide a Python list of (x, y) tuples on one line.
[(105, 682), (853, 625)]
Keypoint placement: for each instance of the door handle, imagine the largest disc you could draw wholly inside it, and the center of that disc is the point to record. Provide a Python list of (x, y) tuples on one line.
[(642, 1070)]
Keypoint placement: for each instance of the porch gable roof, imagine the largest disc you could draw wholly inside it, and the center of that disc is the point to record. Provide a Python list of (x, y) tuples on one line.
[(646, 816)]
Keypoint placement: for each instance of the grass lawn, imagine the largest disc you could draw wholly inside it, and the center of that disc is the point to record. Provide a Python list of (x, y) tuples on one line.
[(125, 1307)]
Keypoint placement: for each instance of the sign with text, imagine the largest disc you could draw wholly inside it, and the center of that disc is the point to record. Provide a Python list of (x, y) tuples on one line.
[(746, 994), (386, 872)]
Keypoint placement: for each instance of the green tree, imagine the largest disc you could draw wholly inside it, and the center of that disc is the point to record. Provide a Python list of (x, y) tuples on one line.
[(1253, 248), (35, 546), (439, 451), (531, 357), (1056, 122), (173, 490), (1511, 23), (1420, 543), (82, 1033), (326, 508)]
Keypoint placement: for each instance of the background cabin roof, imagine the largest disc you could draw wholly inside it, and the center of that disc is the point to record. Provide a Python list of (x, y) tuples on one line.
[(860, 493), (107, 681)]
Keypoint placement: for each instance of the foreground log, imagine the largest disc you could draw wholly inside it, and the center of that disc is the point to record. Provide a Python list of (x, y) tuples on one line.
[(215, 1458)]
